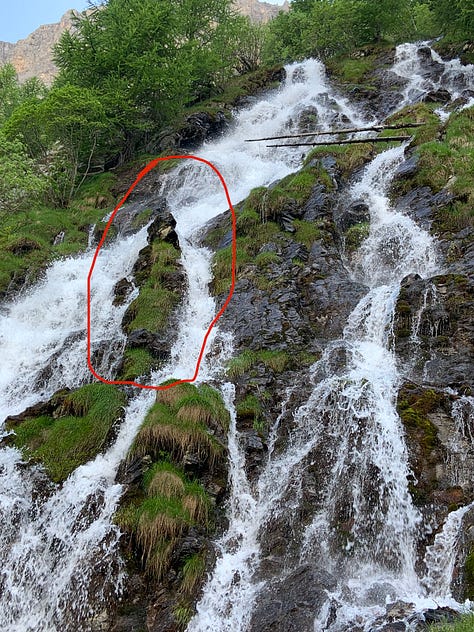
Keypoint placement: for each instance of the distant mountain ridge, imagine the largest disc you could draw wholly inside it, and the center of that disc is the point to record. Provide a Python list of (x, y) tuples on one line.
[(32, 56)]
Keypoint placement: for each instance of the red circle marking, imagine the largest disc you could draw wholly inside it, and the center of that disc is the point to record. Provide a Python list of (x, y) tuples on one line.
[(151, 165)]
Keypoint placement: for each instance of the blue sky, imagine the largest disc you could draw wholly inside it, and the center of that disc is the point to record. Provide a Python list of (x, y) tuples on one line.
[(19, 18)]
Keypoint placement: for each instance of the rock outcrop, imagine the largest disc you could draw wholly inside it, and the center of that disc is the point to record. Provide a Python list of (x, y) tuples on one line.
[(32, 56)]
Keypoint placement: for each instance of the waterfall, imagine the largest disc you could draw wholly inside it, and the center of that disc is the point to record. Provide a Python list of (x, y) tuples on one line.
[(59, 558), (382, 540), (426, 72), (364, 528), (55, 547)]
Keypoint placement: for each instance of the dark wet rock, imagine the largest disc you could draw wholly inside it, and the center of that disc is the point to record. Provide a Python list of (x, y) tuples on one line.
[(261, 319), (252, 442), (152, 342), (160, 617), (37, 410), (440, 615), (330, 301), (23, 246), (318, 204), (122, 290), (131, 470), (437, 96), (291, 604), (396, 626), (357, 212), (445, 329), (429, 66), (418, 204), (201, 126), (422, 205), (193, 542), (163, 227), (308, 119), (408, 168)]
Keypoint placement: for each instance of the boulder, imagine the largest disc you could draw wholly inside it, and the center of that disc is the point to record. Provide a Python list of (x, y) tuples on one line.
[(291, 604)]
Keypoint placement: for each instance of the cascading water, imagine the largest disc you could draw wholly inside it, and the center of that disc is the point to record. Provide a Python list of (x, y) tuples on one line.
[(426, 72), (360, 399), (364, 528), (54, 548)]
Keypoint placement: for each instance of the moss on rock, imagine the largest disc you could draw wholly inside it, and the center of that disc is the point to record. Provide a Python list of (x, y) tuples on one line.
[(78, 429)]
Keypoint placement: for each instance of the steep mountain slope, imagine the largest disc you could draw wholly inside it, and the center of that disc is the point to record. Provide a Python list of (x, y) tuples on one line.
[(337, 492)]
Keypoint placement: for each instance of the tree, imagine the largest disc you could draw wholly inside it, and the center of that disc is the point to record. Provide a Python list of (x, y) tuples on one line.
[(148, 58), (12, 93), (20, 182), (455, 18), (67, 133)]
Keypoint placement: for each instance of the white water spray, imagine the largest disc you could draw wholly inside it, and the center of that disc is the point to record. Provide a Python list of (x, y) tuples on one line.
[(58, 545)]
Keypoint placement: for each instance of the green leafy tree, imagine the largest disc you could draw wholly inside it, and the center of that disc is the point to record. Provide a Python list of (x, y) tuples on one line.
[(68, 133), (455, 18), (20, 182), (12, 93), (147, 59), (9, 91)]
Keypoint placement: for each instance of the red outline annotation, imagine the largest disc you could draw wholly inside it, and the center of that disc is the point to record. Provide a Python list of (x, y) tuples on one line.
[(151, 165)]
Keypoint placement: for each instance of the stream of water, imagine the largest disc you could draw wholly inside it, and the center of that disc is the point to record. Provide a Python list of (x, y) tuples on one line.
[(55, 546)]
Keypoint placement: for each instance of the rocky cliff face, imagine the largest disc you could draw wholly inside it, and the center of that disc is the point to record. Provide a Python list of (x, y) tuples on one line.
[(32, 56), (260, 11)]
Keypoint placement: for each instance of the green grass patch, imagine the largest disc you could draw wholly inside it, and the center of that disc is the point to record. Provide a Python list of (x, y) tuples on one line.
[(448, 163), (465, 624), (152, 308), (193, 573), (264, 259), (306, 232), (355, 235), (348, 157), (418, 113), (136, 363), (277, 361), (42, 224), (168, 505), (351, 70), (62, 444), (179, 423), (469, 574), (250, 406)]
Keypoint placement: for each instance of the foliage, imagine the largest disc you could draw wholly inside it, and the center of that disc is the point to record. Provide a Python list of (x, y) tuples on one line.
[(67, 133), (149, 58), (454, 17), (78, 432), (323, 28), (13, 94), (20, 182)]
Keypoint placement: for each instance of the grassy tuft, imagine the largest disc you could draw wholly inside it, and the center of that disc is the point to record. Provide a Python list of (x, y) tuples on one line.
[(277, 361), (465, 624), (64, 443), (137, 362), (177, 424), (193, 572)]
